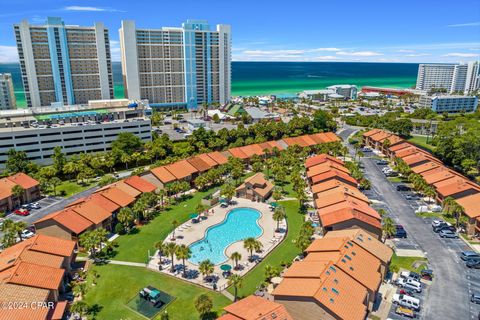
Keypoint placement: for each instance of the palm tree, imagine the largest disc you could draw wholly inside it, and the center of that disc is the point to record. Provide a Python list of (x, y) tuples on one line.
[(160, 246), (18, 192), (278, 216), (161, 194), (457, 211), (449, 204), (203, 304), (80, 307), (175, 225), (170, 249), (236, 281), (236, 256), (430, 192), (205, 268), (382, 212), (249, 245), (388, 227), (18, 227), (183, 252)]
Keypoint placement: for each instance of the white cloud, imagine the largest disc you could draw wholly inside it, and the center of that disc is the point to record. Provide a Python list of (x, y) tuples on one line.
[(418, 55), (405, 51), (469, 24), (461, 55), (325, 49), (327, 58), (8, 54), (94, 9), (359, 53)]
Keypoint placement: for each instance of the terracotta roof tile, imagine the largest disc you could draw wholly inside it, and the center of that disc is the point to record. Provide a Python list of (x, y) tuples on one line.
[(357, 205), (298, 287), (342, 215), (209, 161), (256, 308), (321, 158), (121, 185), (25, 313), (455, 185), (330, 198), (23, 180), (218, 157), (470, 204), (69, 219), (14, 292), (332, 137), (27, 274), (103, 202), (426, 167), (306, 269), (439, 176), (399, 146), (199, 164), (6, 188), (238, 153), (334, 174), (117, 196), (92, 212), (348, 190), (324, 167), (140, 184), (53, 245), (309, 140), (328, 185), (41, 258), (319, 138), (181, 169), (371, 132), (163, 175)]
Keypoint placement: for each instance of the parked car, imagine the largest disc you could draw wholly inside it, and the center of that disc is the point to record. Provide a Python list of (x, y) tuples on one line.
[(382, 162), (22, 212), (421, 209), (435, 208), (405, 312), (410, 275), (475, 298), (437, 222), (409, 284), (406, 301), (473, 263), (27, 234), (400, 233), (366, 149), (167, 122), (391, 174), (35, 205), (449, 234), (412, 197), (444, 226), (468, 255), (402, 187), (427, 274)]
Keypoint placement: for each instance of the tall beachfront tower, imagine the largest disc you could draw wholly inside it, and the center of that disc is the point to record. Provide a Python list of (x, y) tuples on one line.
[(7, 95), (64, 64), (452, 77), (177, 67)]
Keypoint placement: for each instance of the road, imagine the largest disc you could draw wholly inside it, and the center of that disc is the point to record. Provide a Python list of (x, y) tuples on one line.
[(448, 296)]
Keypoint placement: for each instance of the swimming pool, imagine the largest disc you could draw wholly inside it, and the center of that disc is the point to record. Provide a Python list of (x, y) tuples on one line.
[(240, 223)]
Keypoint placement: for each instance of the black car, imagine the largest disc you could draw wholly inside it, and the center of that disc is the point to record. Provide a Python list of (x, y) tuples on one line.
[(167, 122), (444, 226), (382, 162), (468, 255), (473, 263), (400, 233), (475, 298), (402, 187)]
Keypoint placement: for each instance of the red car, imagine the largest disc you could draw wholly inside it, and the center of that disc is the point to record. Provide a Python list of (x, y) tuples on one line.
[(22, 212)]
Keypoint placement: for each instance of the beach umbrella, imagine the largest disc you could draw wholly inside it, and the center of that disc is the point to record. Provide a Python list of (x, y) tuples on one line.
[(274, 204), (223, 200), (193, 215), (226, 267)]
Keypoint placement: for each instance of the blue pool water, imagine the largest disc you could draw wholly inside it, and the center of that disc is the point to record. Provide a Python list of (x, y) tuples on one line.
[(240, 223)]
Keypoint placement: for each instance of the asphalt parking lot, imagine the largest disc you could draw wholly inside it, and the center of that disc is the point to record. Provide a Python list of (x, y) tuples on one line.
[(422, 296)]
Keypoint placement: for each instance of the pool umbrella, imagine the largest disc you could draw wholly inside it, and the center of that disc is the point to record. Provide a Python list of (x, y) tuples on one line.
[(274, 204), (193, 215), (226, 267), (223, 200)]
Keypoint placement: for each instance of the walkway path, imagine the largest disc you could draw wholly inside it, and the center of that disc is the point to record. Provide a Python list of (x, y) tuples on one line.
[(128, 263), (228, 294)]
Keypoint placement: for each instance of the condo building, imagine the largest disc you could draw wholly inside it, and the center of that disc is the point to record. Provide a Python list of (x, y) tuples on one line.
[(64, 64), (7, 95), (449, 103), (452, 77), (177, 67)]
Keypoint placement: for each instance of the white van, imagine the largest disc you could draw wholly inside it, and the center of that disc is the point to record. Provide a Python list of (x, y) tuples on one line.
[(406, 301)]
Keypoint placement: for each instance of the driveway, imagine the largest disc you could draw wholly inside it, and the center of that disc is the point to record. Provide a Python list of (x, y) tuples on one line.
[(448, 296)]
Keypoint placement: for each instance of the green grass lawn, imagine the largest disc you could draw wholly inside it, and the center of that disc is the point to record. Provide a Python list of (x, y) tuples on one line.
[(407, 262), (395, 179), (438, 215), (134, 247), (72, 187), (421, 141), (118, 284), (286, 251)]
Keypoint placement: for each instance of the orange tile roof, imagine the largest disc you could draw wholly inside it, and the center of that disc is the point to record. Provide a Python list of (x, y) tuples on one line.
[(6, 188), (121, 185), (455, 185), (209, 161), (41, 258), (416, 159), (378, 137), (103, 202), (25, 313), (470, 204), (439, 176), (218, 157), (27, 274), (425, 167), (342, 215), (357, 205), (366, 241), (319, 138), (394, 139), (23, 180), (92, 212), (306, 269), (407, 152), (324, 167), (59, 311), (53, 245), (332, 137), (199, 164), (13, 292), (117, 196), (298, 287), (399, 146), (181, 169), (163, 174), (140, 184), (333, 174), (256, 308), (309, 140), (347, 190), (321, 158), (326, 200), (238, 153), (275, 144), (371, 132), (69, 219), (328, 185)]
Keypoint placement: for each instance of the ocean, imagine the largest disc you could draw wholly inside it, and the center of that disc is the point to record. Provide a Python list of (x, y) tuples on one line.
[(282, 78)]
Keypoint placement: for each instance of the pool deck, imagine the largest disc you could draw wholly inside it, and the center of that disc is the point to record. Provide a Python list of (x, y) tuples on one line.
[(189, 233)]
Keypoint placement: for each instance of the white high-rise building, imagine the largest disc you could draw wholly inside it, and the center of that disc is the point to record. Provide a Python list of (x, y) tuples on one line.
[(64, 64), (452, 77), (177, 67), (7, 94)]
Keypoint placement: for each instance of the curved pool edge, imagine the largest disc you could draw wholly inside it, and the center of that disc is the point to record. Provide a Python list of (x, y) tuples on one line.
[(222, 222)]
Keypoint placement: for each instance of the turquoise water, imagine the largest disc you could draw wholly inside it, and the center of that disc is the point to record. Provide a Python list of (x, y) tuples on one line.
[(239, 224), (283, 78)]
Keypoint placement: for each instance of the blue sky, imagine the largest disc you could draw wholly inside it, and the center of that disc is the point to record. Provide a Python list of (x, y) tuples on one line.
[(263, 30)]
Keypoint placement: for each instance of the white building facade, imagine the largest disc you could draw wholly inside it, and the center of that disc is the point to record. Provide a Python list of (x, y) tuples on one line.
[(452, 77), (345, 90), (449, 104), (64, 64), (177, 67), (7, 94)]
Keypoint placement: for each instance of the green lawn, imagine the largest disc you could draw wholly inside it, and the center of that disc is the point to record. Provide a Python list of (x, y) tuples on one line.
[(438, 215), (134, 247), (71, 187), (421, 141), (407, 262), (286, 251), (118, 284), (395, 179)]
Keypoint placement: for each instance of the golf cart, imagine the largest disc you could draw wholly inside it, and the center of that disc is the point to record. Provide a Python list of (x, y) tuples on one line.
[(151, 294)]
